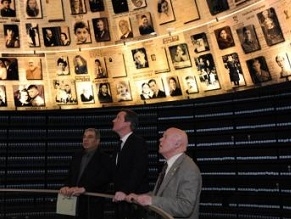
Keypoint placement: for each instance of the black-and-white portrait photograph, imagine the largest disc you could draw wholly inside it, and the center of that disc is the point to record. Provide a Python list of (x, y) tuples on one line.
[(157, 88), (207, 70), (96, 5), (180, 56), (217, 6), (233, 69), (32, 33), (82, 32), (258, 69), (190, 84), (104, 92), (120, 6), (9, 69), (270, 26), (123, 91), (85, 92), (100, 70), (101, 29), (174, 86), (140, 58), (78, 7), (65, 91), (224, 37), (80, 65), (248, 39), (11, 35), (62, 66), (165, 11), (7, 8), (33, 68), (124, 28), (145, 23), (137, 4), (33, 9), (56, 36), (144, 89), (29, 95), (3, 100), (284, 64), (200, 42)]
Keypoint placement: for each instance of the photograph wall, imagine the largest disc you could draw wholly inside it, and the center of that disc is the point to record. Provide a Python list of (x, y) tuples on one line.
[(100, 54)]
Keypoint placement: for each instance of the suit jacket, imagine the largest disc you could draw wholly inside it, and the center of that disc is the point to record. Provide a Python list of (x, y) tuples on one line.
[(95, 178), (179, 193), (131, 171)]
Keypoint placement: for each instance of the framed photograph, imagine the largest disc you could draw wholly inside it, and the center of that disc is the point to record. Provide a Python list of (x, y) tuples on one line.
[(33, 69), (80, 65), (157, 87), (145, 23), (137, 4), (234, 69), (11, 35), (124, 28), (216, 7), (3, 100), (224, 37), (116, 65), (55, 13), (32, 34), (33, 9), (191, 84), (180, 56), (65, 92), (207, 72), (270, 27), (140, 58), (200, 42), (248, 39), (174, 86), (29, 95), (101, 29), (123, 91), (96, 5), (7, 8), (100, 70), (62, 66), (119, 6), (165, 11), (82, 32), (104, 92), (56, 36), (9, 68), (283, 62), (144, 89), (85, 91), (259, 70), (78, 7)]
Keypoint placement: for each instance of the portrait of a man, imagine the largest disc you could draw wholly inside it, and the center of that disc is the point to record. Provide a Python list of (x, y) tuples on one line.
[(140, 58)]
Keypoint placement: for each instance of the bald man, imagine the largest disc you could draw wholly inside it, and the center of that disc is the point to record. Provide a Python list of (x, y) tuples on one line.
[(179, 192)]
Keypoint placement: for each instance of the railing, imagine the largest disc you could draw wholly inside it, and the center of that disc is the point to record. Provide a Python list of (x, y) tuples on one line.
[(41, 204)]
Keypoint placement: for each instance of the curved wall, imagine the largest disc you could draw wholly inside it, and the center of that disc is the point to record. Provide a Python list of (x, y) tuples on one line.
[(184, 49)]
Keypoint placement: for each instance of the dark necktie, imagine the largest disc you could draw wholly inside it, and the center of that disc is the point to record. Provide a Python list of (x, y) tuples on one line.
[(84, 162), (161, 177)]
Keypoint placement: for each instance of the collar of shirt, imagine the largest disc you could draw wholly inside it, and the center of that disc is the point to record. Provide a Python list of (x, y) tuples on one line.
[(172, 160), (124, 138)]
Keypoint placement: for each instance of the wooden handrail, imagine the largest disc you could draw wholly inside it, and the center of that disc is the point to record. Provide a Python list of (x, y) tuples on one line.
[(157, 210)]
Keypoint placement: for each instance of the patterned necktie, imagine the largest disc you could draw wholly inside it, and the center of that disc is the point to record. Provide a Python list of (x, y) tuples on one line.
[(161, 177)]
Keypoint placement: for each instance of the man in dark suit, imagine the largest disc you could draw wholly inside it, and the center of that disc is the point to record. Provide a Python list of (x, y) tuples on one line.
[(7, 11), (157, 93), (178, 192), (90, 171), (131, 164)]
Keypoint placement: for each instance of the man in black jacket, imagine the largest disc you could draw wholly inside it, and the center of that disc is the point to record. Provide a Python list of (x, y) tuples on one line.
[(90, 172), (131, 164)]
